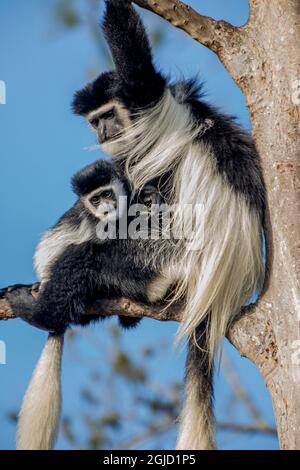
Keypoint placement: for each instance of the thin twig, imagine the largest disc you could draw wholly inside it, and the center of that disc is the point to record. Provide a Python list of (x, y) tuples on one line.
[(247, 429), (153, 430)]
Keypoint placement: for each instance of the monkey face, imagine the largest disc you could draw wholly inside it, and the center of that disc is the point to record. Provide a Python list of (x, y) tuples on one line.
[(103, 205), (108, 121), (107, 203)]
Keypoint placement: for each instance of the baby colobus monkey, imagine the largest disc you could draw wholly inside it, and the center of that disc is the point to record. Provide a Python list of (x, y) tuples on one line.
[(75, 265), (166, 135)]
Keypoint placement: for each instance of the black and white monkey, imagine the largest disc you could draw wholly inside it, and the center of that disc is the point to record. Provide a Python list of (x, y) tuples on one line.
[(77, 263), (167, 135)]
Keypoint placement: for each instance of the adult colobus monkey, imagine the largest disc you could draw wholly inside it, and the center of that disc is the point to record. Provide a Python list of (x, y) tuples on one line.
[(195, 157), (199, 157)]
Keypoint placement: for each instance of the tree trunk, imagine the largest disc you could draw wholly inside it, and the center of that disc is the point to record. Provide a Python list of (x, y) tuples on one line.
[(272, 87)]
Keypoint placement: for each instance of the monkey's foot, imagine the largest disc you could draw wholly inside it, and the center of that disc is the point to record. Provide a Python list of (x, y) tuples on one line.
[(6, 290), (22, 301)]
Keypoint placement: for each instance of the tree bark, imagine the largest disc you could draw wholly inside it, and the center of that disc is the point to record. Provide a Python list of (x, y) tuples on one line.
[(263, 58)]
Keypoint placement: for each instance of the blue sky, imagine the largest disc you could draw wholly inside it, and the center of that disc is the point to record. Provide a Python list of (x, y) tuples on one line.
[(42, 144)]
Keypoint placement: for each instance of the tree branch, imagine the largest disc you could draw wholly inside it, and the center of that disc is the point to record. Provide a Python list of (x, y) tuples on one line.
[(168, 424), (5, 312), (211, 33), (247, 428), (249, 324), (111, 307)]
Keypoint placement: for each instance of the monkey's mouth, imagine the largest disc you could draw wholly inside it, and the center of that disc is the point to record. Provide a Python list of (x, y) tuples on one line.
[(108, 140), (102, 136)]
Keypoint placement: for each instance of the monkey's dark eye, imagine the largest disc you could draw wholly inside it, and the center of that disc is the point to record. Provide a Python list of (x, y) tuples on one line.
[(95, 200), (108, 114), (94, 121), (107, 194)]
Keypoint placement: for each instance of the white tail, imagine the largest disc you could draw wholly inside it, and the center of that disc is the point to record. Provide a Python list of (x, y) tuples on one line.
[(40, 412), (196, 422)]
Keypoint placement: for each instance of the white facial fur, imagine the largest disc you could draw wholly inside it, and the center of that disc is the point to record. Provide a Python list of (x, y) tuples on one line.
[(108, 210), (122, 114)]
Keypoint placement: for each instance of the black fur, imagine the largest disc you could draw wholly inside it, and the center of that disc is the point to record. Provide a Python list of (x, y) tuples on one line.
[(95, 94), (99, 173), (233, 148), (135, 82), (129, 45)]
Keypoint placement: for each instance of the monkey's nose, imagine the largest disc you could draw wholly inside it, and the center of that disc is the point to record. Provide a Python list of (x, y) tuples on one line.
[(102, 134)]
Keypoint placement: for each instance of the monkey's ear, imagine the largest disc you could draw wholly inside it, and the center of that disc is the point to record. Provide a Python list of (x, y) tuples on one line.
[(130, 48), (95, 94)]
